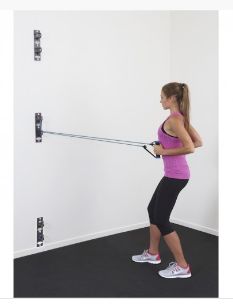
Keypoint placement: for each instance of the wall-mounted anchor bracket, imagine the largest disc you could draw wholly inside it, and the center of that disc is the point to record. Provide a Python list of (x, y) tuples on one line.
[(40, 233), (37, 48), (38, 127)]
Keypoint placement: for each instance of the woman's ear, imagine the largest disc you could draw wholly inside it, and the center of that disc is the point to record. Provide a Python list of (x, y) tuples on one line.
[(173, 98)]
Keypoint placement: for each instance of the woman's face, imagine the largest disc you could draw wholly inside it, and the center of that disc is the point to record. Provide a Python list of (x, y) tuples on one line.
[(164, 101)]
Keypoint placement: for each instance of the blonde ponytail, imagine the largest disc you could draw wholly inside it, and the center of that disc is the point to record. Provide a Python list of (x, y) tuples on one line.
[(185, 106), (181, 92)]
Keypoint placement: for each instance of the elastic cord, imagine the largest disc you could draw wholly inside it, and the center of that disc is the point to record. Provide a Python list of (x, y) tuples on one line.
[(132, 143)]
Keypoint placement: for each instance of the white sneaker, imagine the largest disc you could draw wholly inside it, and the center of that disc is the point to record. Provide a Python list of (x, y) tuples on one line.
[(175, 271), (147, 257)]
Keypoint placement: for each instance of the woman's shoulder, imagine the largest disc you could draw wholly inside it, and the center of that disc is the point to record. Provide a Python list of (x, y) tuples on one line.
[(175, 118), (176, 115)]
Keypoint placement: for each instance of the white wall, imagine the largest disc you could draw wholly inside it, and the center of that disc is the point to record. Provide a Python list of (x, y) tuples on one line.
[(100, 75), (194, 59)]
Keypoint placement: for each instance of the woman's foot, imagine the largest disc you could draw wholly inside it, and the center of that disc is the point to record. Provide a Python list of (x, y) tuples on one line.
[(175, 271), (147, 257)]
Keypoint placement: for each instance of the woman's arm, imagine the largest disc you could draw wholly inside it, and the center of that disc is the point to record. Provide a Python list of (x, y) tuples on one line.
[(196, 139), (177, 126), (190, 139)]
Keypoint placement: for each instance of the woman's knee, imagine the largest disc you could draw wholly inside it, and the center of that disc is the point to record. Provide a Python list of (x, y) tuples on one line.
[(164, 228)]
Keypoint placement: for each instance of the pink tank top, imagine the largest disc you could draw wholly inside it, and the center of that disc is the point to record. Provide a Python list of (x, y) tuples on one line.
[(175, 166)]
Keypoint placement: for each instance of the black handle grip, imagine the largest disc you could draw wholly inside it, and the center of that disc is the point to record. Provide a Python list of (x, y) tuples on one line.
[(156, 143)]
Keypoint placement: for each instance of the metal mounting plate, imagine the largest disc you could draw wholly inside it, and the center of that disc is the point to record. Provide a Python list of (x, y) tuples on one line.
[(38, 127)]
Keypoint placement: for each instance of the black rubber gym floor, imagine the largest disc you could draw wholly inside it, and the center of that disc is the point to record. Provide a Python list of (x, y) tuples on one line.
[(103, 268)]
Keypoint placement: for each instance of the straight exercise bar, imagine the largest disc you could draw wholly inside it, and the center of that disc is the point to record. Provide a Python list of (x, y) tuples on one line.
[(40, 132)]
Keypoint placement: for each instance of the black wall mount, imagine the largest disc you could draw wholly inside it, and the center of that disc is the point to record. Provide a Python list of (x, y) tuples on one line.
[(38, 127), (37, 47), (40, 232)]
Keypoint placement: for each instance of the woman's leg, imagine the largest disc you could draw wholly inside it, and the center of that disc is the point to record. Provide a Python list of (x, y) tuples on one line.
[(163, 205), (155, 236), (155, 233), (173, 242)]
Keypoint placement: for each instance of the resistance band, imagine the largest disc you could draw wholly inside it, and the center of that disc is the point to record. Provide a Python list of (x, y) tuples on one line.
[(40, 132)]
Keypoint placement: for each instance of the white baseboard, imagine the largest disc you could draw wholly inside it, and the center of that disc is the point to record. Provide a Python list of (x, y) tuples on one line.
[(78, 239), (87, 237), (194, 226)]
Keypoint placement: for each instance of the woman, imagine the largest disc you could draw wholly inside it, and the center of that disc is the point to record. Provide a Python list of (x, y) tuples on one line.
[(177, 138)]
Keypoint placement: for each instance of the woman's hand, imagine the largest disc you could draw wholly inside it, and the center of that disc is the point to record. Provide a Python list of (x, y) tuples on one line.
[(159, 150)]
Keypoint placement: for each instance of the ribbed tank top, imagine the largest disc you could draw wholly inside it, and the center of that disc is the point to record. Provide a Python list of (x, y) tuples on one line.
[(175, 166)]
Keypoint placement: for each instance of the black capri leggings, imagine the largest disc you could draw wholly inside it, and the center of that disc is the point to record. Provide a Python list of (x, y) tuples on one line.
[(163, 201)]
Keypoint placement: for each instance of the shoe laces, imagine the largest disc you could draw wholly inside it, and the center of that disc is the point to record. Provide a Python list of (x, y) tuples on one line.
[(173, 267), (145, 253)]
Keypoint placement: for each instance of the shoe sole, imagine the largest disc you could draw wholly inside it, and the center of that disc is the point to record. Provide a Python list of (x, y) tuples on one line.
[(180, 276), (152, 262)]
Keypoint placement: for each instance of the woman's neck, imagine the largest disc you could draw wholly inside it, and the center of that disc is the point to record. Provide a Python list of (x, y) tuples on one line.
[(172, 110)]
